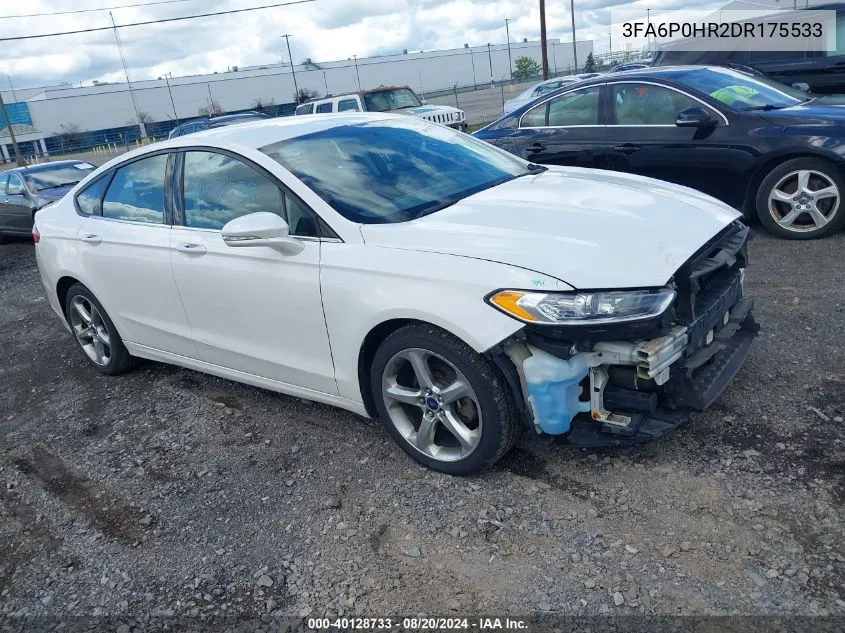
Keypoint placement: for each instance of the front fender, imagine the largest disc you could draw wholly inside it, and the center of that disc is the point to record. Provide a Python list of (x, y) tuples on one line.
[(365, 286)]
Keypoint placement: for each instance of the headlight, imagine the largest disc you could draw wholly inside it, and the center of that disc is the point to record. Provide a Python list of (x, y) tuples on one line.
[(582, 308)]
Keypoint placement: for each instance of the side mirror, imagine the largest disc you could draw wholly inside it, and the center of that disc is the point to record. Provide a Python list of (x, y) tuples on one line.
[(803, 87), (694, 117), (14, 190), (423, 101), (261, 229)]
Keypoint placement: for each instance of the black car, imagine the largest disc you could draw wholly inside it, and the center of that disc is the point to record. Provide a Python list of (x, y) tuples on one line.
[(25, 190), (766, 149), (218, 121), (819, 72), (632, 66)]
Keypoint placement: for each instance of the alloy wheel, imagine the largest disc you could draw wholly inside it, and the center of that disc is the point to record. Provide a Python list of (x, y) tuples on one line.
[(432, 404), (90, 330), (804, 200)]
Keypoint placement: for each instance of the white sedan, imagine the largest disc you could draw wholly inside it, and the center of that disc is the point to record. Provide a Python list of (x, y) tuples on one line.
[(406, 271)]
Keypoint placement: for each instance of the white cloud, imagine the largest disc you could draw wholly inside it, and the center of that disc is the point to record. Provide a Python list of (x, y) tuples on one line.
[(323, 30)]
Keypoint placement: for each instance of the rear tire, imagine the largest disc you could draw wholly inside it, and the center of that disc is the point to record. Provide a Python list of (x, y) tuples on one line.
[(788, 201), (446, 405), (95, 333)]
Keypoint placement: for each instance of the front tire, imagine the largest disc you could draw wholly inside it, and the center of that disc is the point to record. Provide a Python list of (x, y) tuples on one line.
[(802, 199), (95, 333), (444, 404)]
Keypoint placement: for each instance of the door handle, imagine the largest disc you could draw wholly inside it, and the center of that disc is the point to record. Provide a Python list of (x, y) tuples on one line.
[(536, 147), (195, 249), (91, 238), (627, 148)]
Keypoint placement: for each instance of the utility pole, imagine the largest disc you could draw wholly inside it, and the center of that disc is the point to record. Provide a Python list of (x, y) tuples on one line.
[(574, 46), (510, 61), (141, 126), (610, 45), (167, 81), (544, 52), (490, 58), (648, 35), (5, 114), (292, 70), (472, 59), (357, 76)]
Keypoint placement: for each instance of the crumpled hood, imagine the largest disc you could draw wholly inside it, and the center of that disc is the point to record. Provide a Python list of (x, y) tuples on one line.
[(435, 113), (589, 228)]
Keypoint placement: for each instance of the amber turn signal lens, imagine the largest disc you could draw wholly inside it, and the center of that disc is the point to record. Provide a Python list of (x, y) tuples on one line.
[(508, 301)]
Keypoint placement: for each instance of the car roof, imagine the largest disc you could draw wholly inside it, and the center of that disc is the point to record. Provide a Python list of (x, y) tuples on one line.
[(43, 166)]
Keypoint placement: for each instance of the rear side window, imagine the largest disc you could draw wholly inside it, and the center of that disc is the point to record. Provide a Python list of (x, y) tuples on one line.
[(348, 105), (324, 107), (136, 192), (90, 200)]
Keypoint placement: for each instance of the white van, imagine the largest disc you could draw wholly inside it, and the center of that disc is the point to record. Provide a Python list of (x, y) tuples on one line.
[(402, 100)]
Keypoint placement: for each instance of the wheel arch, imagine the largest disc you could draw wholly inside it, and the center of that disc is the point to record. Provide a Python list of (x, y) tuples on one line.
[(370, 345), (63, 286), (773, 160)]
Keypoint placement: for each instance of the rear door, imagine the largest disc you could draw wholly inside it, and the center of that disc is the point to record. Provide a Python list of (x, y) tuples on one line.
[(125, 249), (642, 138), (564, 130)]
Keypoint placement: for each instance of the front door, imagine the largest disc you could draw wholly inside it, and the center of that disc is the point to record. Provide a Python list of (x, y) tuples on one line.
[(125, 246), (15, 207), (642, 138), (565, 130), (253, 309)]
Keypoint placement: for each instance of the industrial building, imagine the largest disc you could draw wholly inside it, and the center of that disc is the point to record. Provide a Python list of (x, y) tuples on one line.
[(106, 113)]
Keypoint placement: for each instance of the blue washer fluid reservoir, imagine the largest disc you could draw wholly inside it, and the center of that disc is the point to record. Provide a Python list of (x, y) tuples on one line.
[(554, 389)]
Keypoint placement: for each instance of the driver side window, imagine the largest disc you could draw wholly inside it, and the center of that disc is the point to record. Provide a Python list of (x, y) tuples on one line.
[(648, 104)]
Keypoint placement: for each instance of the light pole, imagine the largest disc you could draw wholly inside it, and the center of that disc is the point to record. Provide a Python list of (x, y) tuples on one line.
[(490, 58), (14, 95), (544, 54), (508, 35), (472, 59), (610, 45), (141, 127), (574, 47), (292, 70), (170, 92), (357, 76), (648, 35), (325, 81)]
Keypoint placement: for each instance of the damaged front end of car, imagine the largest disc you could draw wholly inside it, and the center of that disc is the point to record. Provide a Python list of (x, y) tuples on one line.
[(635, 380)]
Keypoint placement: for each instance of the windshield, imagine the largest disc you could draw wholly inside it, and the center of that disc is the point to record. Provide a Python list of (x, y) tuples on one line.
[(394, 170), (63, 175), (738, 90), (394, 99)]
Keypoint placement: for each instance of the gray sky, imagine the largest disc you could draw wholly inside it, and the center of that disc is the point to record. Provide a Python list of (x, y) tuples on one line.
[(323, 30)]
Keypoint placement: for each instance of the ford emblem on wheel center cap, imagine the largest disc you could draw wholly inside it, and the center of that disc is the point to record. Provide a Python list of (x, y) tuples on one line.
[(431, 403)]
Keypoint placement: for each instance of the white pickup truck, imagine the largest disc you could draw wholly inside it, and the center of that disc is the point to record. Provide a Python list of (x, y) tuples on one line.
[(401, 100)]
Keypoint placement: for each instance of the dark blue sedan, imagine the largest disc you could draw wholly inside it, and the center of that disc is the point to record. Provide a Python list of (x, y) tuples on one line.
[(218, 121), (766, 149)]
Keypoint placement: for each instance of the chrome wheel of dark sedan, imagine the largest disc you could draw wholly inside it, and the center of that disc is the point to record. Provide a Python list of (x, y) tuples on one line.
[(801, 199), (804, 200)]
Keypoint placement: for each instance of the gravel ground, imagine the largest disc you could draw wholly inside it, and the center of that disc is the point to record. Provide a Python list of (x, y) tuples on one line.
[(166, 492)]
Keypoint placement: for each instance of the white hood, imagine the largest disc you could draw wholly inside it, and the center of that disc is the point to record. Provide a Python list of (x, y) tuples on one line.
[(589, 228)]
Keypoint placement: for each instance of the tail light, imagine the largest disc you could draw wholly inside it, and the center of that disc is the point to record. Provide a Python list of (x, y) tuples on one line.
[(36, 236)]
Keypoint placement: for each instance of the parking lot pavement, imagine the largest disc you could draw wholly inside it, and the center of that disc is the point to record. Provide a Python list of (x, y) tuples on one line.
[(166, 491)]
